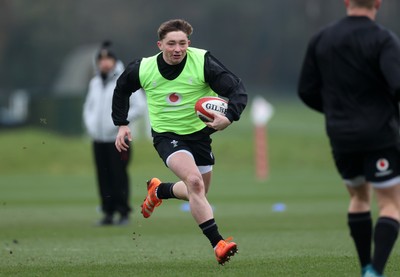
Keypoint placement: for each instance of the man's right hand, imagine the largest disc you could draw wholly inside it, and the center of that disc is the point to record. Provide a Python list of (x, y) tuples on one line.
[(120, 143)]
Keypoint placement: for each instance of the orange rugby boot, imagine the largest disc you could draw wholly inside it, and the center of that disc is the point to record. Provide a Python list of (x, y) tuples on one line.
[(224, 250), (151, 201)]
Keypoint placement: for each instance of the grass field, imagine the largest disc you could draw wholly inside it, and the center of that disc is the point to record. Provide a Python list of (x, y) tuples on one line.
[(48, 203)]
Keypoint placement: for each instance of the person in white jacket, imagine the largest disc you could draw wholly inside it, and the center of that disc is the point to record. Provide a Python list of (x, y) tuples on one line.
[(111, 165)]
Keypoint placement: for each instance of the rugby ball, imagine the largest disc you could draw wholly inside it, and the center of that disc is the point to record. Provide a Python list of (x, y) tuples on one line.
[(206, 104)]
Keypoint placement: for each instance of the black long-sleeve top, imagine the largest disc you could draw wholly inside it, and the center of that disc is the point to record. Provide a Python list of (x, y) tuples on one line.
[(351, 73), (219, 78)]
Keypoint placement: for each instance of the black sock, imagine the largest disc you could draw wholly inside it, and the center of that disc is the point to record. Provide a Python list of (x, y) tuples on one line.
[(164, 191), (360, 225), (210, 230), (386, 232)]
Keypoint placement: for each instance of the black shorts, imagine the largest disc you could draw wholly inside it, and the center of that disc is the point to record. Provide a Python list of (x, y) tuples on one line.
[(199, 149), (379, 167)]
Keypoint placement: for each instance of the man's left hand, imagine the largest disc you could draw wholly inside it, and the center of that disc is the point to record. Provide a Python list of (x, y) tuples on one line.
[(219, 123)]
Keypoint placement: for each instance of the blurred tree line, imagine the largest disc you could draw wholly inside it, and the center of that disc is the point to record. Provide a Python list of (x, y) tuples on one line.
[(262, 41)]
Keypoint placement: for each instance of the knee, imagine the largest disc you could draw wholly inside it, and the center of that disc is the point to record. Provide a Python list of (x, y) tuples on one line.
[(362, 198), (360, 202), (195, 184), (389, 209)]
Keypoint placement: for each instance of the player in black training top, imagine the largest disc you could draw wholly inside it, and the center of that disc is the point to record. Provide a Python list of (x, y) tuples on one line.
[(351, 74)]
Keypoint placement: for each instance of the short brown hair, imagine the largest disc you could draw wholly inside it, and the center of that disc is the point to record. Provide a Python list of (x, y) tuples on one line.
[(369, 4), (174, 25)]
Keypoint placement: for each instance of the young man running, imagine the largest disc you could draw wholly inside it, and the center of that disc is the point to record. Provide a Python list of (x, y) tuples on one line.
[(173, 81)]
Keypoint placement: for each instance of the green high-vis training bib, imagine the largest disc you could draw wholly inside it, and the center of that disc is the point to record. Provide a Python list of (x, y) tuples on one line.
[(171, 102)]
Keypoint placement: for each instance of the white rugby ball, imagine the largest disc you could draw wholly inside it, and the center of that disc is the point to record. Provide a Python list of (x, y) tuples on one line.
[(210, 103)]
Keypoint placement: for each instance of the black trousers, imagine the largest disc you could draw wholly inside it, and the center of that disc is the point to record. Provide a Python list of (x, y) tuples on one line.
[(112, 178)]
